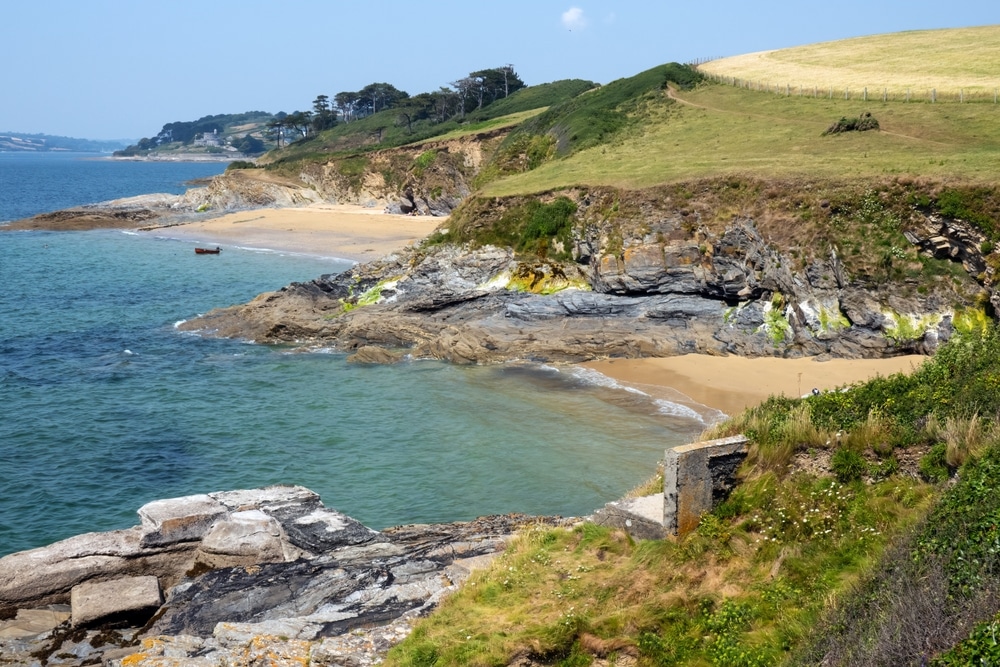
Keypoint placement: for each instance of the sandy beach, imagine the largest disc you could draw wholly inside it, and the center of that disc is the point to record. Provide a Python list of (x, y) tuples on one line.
[(731, 383), (343, 231)]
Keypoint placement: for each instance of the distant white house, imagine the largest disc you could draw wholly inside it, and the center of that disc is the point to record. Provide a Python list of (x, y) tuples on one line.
[(208, 139)]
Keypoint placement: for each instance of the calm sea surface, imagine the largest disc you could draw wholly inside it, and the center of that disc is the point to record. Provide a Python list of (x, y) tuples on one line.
[(105, 406)]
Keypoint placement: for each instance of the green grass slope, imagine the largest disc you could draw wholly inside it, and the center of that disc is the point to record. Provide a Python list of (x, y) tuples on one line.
[(866, 565), (718, 130), (385, 129)]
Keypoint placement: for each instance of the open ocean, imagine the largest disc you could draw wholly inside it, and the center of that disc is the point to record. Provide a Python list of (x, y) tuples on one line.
[(105, 406)]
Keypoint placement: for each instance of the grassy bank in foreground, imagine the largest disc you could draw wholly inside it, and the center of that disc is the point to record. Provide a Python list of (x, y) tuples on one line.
[(796, 566)]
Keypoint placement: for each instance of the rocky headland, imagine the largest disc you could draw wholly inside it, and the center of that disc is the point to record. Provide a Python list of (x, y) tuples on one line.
[(262, 576), (659, 284)]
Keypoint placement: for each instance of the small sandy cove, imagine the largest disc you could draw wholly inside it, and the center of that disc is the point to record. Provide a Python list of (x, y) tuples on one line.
[(731, 384), (346, 232)]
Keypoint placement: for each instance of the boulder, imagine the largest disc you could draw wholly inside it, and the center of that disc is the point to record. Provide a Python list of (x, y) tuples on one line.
[(245, 538), (182, 519), (45, 575), (129, 599), (369, 354)]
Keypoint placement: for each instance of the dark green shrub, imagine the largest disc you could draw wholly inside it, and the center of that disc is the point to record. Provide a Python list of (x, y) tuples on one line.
[(241, 164), (963, 528), (848, 465), (862, 123), (933, 465), (885, 468), (981, 648), (979, 205), (547, 221)]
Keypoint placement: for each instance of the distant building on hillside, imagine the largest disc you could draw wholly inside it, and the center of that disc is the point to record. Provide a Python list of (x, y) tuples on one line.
[(208, 139)]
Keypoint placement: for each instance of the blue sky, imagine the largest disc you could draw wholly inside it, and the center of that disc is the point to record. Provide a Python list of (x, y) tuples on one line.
[(108, 69)]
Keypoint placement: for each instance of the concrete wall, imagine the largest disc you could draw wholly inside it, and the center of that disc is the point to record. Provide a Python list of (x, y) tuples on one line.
[(696, 477)]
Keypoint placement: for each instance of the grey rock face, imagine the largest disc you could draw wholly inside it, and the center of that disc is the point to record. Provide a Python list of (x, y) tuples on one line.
[(178, 519), (658, 294)]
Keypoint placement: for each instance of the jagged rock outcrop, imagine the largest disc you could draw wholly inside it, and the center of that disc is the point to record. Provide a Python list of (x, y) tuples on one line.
[(216, 575), (661, 294)]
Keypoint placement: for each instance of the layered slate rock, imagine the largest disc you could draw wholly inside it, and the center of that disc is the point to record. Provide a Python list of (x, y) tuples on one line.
[(35, 578), (178, 519), (240, 570), (244, 538), (659, 293)]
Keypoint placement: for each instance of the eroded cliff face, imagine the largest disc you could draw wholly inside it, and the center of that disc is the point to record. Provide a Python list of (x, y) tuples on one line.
[(653, 283), (431, 178)]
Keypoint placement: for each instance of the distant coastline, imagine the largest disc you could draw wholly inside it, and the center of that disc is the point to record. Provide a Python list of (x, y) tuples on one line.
[(179, 157)]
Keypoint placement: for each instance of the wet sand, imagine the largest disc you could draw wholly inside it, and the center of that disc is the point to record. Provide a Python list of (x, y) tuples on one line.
[(731, 384), (346, 232)]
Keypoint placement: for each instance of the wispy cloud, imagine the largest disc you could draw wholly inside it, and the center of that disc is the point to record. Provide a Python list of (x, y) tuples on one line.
[(573, 19)]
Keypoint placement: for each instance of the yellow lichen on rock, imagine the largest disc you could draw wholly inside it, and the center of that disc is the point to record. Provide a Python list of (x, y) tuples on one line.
[(545, 278), (277, 652)]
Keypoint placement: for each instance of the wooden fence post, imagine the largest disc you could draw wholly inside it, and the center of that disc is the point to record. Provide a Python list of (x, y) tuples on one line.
[(864, 94), (933, 95)]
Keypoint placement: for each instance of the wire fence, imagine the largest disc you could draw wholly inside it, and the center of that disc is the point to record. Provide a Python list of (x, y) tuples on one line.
[(862, 93)]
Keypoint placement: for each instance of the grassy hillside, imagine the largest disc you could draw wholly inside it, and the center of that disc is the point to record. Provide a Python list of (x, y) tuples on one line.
[(949, 61), (386, 129), (793, 567), (716, 130)]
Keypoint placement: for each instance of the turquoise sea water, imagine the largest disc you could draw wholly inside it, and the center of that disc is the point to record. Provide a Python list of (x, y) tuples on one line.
[(105, 406)]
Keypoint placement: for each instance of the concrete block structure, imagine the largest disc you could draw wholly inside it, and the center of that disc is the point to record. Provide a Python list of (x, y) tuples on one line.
[(696, 477)]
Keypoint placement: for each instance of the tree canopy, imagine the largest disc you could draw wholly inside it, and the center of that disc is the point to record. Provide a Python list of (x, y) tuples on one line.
[(469, 93)]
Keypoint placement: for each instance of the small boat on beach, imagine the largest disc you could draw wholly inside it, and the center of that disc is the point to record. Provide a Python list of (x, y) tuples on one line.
[(208, 251)]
